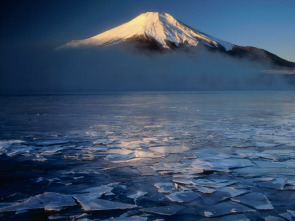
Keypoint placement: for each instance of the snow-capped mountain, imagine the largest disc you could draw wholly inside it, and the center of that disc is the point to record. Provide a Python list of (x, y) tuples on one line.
[(162, 32), (161, 27)]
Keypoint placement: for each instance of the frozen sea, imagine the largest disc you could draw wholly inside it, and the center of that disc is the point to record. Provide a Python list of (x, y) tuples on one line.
[(148, 156)]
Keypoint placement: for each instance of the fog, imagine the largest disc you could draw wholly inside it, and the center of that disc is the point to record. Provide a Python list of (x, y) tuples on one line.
[(116, 69)]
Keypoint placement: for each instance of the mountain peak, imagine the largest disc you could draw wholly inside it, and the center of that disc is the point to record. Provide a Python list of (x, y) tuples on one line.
[(162, 32), (159, 26)]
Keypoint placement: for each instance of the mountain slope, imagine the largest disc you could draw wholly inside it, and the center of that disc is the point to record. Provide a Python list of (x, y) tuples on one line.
[(161, 32), (160, 26)]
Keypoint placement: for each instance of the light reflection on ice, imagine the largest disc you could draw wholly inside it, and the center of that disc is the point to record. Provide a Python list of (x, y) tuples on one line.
[(161, 163)]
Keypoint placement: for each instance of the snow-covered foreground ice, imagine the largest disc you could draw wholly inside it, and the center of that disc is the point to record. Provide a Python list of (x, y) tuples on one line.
[(148, 156)]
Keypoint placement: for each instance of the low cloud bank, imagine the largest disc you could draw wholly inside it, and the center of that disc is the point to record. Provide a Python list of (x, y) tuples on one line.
[(113, 69)]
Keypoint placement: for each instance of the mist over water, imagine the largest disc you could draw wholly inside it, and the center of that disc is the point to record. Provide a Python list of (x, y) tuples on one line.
[(113, 69)]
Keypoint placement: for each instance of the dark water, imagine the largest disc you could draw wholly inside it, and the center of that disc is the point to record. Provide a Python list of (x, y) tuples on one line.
[(228, 155)]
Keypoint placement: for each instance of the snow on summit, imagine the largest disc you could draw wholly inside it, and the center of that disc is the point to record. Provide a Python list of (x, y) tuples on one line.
[(161, 27)]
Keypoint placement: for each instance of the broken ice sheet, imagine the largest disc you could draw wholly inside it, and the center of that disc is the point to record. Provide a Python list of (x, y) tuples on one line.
[(292, 212), (271, 164), (169, 149), (254, 200), (97, 192), (147, 154), (136, 195), (238, 217), (224, 208), (274, 218), (206, 165), (131, 144), (233, 191), (51, 142), (10, 149), (119, 157), (216, 197), (164, 210), (213, 183), (234, 163), (91, 204), (286, 216), (183, 197), (278, 183), (52, 150), (48, 201), (102, 142), (118, 154), (131, 218), (164, 187), (6, 143), (97, 148)]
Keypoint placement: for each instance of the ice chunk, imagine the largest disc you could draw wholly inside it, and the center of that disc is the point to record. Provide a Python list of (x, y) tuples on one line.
[(132, 218), (184, 181), (164, 210), (213, 183), (183, 197), (215, 197), (164, 187), (290, 182), (51, 142), (203, 189), (235, 163), (119, 157), (102, 142), (137, 195), (209, 166), (254, 200), (286, 216), (92, 133), (224, 208), (89, 204), (97, 148), (238, 217), (233, 191), (263, 179), (51, 151), (274, 218), (48, 201), (6, 143), (98, 191), (271, 164), (169, 149), (292, 212), (147, 154), (278, 183)]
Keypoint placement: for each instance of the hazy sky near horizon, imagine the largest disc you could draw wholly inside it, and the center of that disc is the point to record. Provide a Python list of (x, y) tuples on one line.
[(45, 25)]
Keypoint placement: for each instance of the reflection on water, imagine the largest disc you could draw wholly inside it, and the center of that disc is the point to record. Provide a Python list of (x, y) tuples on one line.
[(148, 156)]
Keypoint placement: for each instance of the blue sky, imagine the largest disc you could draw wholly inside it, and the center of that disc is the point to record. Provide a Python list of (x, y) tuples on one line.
[(44, 25)]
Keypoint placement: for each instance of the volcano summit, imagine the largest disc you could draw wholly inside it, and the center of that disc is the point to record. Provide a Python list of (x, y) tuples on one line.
[(161, 32)]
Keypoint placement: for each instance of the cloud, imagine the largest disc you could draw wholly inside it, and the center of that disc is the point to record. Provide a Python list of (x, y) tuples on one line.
[(281, 71)]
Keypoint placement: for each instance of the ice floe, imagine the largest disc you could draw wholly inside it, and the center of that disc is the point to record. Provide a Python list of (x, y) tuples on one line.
[(164, 210), (286, 216), (165, 187), (169, 149), (224, 208), (92, 204), (274, 218), (49, 201), (254, 200), (238, 217), (136, 195), (183, 197)]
